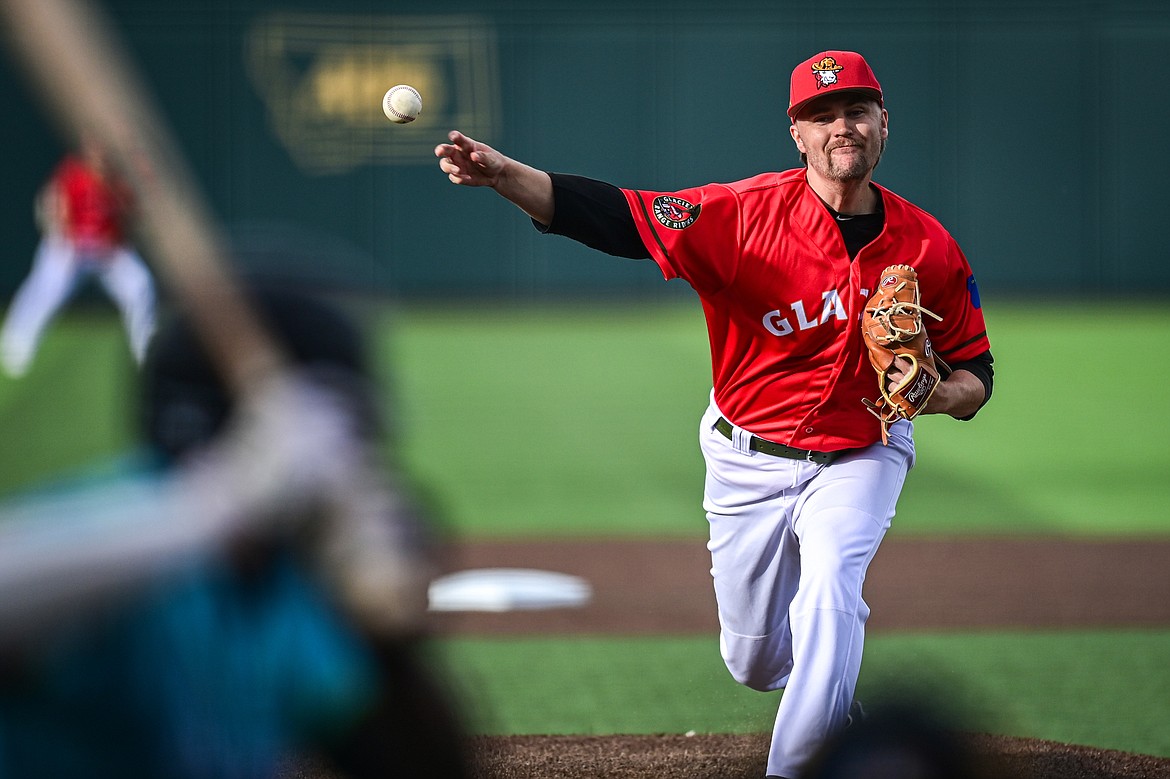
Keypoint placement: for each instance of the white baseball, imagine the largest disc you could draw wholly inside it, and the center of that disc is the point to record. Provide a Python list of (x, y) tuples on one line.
[(402, 104)]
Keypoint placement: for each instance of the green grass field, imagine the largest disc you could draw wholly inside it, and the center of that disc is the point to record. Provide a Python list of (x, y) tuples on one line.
[(583, 421), (1105, 689), (580, 420)]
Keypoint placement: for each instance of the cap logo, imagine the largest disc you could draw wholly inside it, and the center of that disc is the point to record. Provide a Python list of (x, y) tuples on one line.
[(674, 212), (825, 72)]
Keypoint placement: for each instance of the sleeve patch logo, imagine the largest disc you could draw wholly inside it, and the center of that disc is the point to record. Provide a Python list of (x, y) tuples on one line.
[(674, 212), (973, 291)]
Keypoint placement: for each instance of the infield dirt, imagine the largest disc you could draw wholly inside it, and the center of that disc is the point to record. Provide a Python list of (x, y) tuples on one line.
[(663, 587)]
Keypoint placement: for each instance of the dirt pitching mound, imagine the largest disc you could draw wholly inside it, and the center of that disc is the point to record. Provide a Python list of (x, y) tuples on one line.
[(742, 757)]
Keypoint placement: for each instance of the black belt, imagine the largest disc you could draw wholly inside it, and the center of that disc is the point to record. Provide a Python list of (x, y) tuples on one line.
[(765, 446)]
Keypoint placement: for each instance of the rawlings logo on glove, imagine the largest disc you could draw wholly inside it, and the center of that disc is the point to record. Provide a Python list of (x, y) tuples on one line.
[(892, 328)]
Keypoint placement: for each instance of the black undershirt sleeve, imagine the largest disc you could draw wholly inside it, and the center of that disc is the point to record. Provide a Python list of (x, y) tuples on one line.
[(596, 214), (980, 365)]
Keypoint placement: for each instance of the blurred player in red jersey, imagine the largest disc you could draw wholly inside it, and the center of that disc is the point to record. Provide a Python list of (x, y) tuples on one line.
[(84, 211)]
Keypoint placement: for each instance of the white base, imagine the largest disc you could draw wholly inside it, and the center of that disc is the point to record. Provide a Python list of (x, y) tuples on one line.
[(507, 589)]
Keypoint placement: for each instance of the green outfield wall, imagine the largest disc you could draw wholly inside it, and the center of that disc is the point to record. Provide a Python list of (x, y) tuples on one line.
[(1032, 129)]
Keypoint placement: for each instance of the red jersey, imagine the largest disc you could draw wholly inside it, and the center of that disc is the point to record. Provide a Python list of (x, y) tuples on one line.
[(783, 301), (93, 208)]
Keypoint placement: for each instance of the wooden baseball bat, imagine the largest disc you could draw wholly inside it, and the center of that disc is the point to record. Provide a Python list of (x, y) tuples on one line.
[(83, 73)]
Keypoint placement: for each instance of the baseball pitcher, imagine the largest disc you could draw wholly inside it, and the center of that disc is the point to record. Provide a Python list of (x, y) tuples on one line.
[(827, 298)]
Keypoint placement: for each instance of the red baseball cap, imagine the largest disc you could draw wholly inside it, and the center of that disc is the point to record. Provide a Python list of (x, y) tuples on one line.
[(831, 71)]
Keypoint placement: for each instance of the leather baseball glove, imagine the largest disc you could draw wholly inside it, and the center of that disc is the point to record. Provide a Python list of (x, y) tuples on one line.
[(892, 327)]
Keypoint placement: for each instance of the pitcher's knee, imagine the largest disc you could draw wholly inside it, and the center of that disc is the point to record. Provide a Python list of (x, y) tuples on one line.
[(756, 663)]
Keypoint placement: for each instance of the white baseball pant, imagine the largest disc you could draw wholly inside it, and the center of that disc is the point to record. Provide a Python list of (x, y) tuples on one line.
[(790, 544), (58, 267)]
